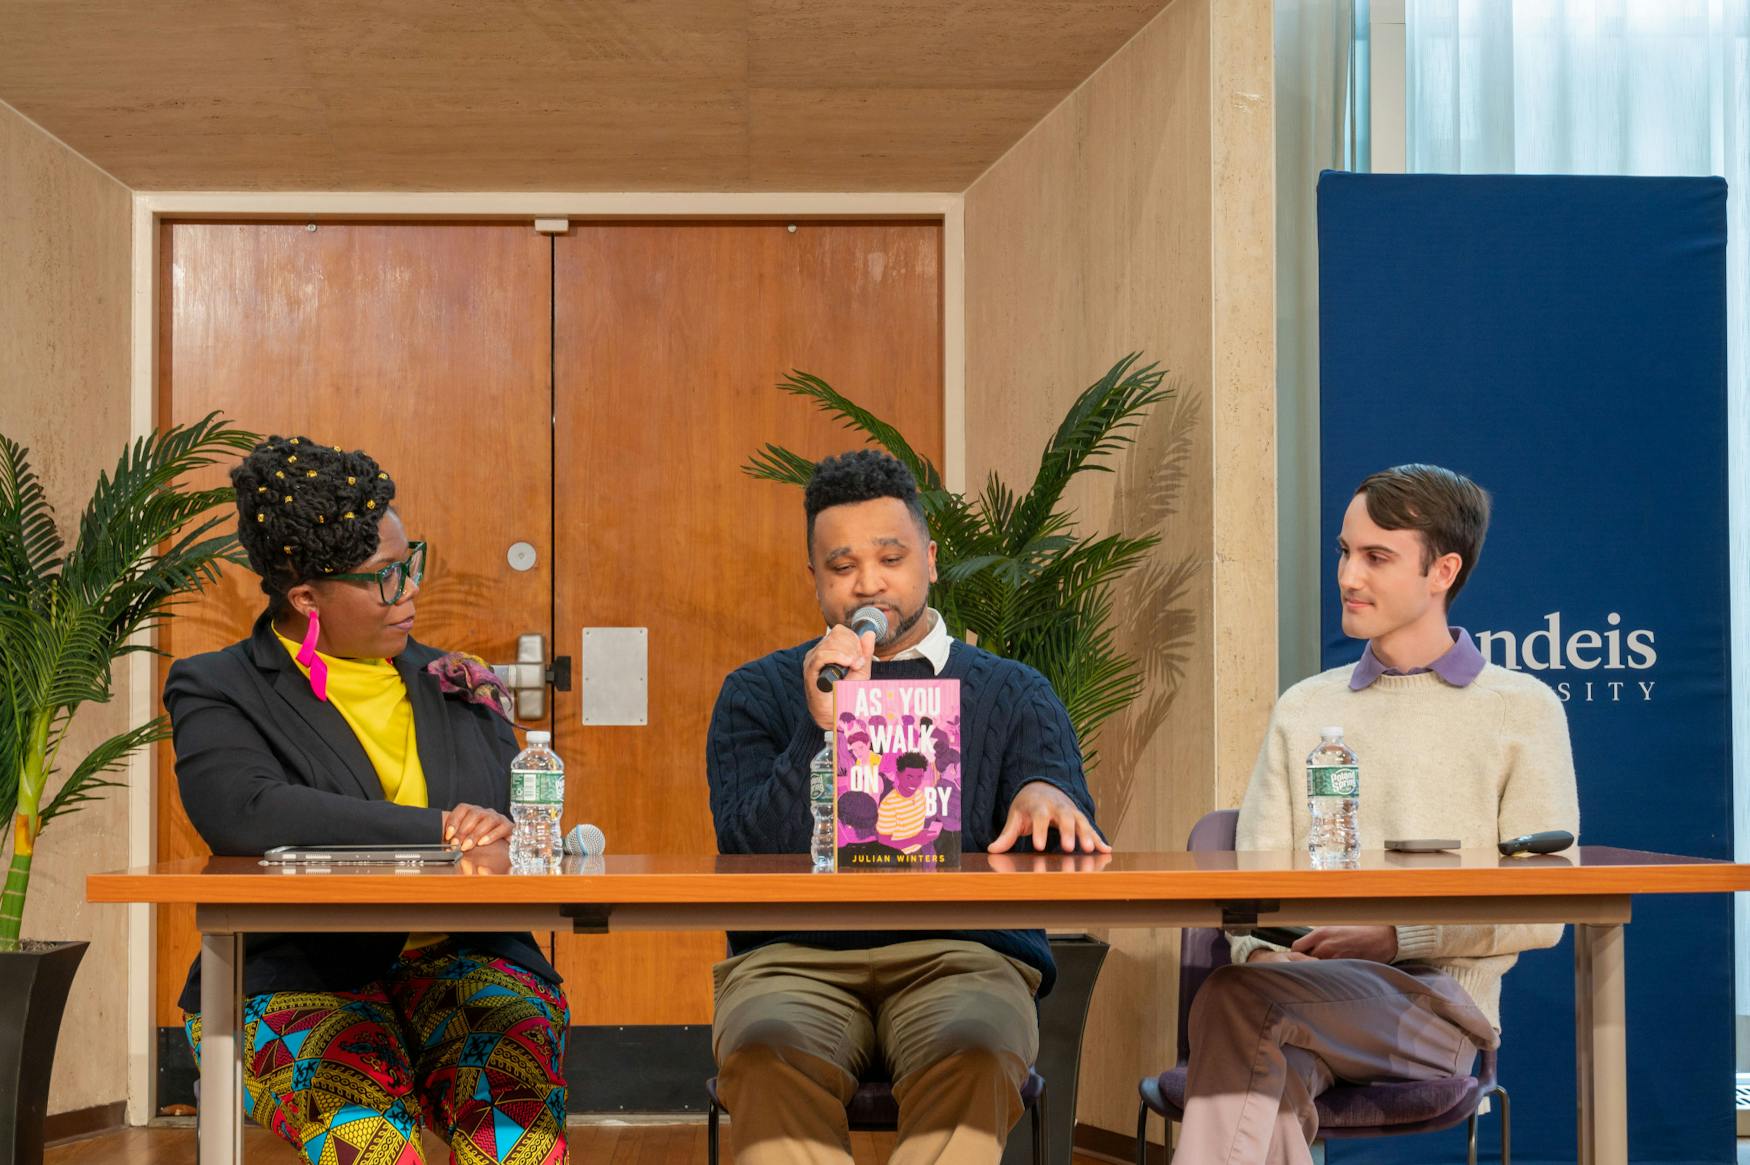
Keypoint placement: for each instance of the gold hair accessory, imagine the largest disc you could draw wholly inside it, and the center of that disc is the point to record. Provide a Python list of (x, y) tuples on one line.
[(352, 481), (288, 550), (384, 476), (371, 505), (288, 499), (309, 473), (261, 517), (261, 489), (348, 515), (320, 520), (337, 448), (291, 459), (279, 473)]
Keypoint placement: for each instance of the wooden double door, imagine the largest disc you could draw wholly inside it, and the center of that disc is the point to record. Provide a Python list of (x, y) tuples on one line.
[(591, 395)]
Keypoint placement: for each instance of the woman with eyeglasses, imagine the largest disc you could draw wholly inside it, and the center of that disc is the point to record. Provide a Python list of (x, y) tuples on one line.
[(331, 725)]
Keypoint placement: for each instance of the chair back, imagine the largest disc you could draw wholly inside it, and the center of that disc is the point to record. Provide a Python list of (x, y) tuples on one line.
[(1202, 949)]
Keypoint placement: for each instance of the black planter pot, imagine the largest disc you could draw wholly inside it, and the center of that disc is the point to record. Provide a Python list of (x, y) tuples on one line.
[(1062, 1016), (33, 994)]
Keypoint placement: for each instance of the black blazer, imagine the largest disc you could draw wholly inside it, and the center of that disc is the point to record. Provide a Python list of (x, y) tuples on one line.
[(261, 762)]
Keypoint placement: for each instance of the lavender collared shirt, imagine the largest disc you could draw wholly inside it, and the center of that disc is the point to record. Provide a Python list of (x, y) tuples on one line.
[(1461, 664)]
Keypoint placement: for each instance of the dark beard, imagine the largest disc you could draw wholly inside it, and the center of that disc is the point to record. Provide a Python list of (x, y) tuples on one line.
[(905, 624)]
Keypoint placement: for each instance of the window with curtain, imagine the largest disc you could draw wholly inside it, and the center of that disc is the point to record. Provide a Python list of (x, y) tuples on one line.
[(1612, 87), (1322, 66)]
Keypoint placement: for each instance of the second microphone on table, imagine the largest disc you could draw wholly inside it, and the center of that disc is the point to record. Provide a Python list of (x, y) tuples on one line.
[(863, 619), (586, 840)]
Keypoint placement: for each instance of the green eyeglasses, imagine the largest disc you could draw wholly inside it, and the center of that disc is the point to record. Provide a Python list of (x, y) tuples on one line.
[(392, 579)]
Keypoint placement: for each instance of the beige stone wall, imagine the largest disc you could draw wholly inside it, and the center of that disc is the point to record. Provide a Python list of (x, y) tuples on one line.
[(1137, 216), (64, 315)]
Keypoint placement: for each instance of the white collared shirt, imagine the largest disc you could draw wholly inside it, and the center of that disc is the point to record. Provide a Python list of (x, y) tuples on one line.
[(933, 646)]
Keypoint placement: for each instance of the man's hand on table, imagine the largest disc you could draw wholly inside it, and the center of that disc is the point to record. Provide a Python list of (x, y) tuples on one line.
[(1039, 806), (1013, 863)]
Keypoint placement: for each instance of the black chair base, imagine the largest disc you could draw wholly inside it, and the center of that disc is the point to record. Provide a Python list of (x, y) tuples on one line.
[(1156, 1103)]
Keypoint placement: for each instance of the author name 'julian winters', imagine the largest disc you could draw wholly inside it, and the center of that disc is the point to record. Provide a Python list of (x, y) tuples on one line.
[(892, 859)]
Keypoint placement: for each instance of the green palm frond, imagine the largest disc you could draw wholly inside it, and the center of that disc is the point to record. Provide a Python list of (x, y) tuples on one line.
[(1013, 572), (1098, 424), (776, 463), (30, 545), (853, 416), (87, 780), (66, 615)]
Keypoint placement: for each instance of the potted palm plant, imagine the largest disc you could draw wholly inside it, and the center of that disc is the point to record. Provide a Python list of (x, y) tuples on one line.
[(1014, 574), (67, 614)]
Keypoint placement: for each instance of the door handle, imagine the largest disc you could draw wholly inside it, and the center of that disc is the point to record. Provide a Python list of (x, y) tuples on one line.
[(528, 677)]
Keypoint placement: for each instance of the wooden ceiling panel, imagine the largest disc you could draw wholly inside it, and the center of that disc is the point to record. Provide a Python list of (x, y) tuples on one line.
[(904, 139), (550, 95), (1049, 45)]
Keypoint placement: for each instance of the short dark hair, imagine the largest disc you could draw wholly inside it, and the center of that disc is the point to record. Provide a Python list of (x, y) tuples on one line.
[(305, 510), (911, 760), (861, 475), (1449, 511)]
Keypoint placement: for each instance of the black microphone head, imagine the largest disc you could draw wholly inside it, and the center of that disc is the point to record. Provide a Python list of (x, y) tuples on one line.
[(869, 619)]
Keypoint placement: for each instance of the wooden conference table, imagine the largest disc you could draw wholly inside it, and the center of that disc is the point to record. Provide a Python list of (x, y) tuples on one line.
[(1589, 887)]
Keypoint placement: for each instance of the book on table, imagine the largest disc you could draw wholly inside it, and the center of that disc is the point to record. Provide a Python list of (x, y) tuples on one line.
[(898, 768)]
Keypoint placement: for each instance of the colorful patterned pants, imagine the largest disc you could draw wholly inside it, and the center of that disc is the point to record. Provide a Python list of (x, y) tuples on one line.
[(471, 1045)]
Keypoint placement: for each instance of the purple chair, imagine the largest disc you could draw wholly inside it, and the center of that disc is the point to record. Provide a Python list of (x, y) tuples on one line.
[(1346, 1111), (872, 1107)]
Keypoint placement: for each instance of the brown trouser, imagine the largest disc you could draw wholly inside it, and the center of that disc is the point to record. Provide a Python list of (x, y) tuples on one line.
[(797, 1026), (1266, 1038)]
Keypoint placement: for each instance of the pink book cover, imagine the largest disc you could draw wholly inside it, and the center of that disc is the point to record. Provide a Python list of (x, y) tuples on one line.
[(899, 780)]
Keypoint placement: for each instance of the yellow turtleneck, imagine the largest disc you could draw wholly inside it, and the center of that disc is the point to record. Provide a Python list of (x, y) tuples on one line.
[(371, 697)]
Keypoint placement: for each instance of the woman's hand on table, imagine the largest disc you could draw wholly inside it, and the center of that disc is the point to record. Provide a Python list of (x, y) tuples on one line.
[(491, 858), (468, 826)]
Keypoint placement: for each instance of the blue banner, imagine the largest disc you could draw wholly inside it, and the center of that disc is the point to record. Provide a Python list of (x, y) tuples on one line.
[(1561, 340)]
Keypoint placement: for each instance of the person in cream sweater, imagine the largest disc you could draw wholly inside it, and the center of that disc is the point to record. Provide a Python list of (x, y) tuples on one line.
[(1451, 746)]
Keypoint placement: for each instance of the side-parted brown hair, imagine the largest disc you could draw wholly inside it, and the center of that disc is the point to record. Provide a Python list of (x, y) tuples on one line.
[(1449, 511)]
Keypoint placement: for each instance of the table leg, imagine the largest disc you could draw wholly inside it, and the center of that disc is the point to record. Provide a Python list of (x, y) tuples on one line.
[(221, 1111), (1600, 1045)]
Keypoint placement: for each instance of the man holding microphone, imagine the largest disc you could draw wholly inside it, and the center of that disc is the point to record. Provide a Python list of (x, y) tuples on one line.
[(800, 1016)]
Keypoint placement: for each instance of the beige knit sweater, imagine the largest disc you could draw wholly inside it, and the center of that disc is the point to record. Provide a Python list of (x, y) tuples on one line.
[(1479, 763)]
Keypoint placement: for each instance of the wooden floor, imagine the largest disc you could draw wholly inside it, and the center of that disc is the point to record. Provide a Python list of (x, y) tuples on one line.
[(594, 1144)]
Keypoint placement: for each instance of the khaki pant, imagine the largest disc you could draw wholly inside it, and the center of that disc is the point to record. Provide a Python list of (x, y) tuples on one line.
[(796, 1027), (1267, 1038)]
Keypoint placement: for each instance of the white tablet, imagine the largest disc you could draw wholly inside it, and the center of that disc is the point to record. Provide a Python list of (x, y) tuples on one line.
[(361, 855)]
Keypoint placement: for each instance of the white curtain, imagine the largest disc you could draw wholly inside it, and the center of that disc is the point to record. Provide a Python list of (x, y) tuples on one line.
[(1321, 124), (1611, 87)]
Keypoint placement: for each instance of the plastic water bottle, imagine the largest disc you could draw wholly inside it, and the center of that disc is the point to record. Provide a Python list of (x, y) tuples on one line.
[(537, 801), (822, 789), (1333, 800)]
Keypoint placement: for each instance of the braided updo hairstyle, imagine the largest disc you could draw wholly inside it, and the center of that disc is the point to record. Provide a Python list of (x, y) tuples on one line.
[(305, 510)]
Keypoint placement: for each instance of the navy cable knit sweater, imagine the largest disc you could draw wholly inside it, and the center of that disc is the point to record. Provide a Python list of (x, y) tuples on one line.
[(1013, 729)]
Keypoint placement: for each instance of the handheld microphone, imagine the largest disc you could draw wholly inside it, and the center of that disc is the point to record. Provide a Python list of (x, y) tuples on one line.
[(1549, 842), (586, 840), (863, 619)]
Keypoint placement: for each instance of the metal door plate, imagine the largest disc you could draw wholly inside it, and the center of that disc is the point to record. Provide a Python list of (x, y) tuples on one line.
[(616, 676)]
